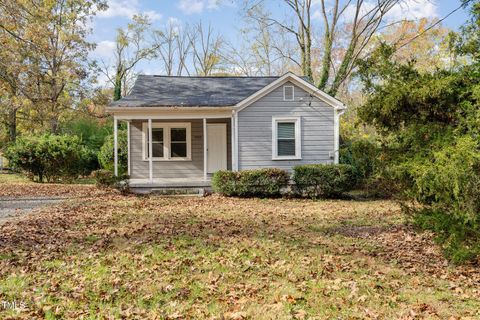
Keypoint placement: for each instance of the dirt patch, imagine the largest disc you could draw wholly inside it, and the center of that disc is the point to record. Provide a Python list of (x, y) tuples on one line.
[(10, 208)]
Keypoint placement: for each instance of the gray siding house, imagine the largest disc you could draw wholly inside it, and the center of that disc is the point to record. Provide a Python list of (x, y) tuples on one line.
[(199, 125)]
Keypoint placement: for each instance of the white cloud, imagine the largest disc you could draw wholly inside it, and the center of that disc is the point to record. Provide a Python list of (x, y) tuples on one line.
[(197, 6), (104, 49), (406, 9), (213, 4), (120, 8), (413, 10), (127, 9), (191, 6), (152, 15)]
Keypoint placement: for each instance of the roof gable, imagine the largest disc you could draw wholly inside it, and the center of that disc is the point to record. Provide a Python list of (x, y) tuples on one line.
[(300, 82)]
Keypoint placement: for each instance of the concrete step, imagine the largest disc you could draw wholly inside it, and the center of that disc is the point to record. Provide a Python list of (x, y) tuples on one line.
[(173, 191)]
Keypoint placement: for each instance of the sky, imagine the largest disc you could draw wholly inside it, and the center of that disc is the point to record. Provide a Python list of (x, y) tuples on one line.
[(225, 18)]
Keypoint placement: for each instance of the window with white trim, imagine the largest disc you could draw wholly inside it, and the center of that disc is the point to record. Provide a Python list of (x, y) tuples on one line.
[(288, 93), (170, 141), (286, 142)]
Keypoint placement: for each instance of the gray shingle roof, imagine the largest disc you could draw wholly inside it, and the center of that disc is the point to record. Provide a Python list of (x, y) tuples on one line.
[(150, 90)]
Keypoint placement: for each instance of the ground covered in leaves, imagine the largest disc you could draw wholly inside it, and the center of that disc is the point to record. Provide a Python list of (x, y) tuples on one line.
[(113, 257), (15, 186)]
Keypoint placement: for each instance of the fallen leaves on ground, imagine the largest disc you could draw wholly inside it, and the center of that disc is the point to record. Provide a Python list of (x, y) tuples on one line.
[(36, 190), (111, 256)]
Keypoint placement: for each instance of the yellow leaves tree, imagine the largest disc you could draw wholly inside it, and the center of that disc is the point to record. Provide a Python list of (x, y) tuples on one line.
[(46, 54), (430, 52)]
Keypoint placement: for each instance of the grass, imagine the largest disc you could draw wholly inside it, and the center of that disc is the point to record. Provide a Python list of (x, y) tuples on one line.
[(220, 258), (9, 178)]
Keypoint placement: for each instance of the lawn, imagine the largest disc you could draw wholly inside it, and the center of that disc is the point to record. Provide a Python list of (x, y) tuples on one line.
[(113, 257)]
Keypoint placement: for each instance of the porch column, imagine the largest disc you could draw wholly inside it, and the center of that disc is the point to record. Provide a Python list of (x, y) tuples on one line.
[(232, 137), (150, 163), (115, 145), (236, 141), (205, 141)]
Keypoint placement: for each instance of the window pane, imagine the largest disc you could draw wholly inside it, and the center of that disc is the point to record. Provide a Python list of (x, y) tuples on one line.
[(286, 130), (286, 147), (178, 149), (178, 134), (157, 134), (157, 150)]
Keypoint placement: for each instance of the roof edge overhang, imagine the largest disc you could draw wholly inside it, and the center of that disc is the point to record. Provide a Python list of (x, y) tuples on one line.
[(126, 109), (289, 76)]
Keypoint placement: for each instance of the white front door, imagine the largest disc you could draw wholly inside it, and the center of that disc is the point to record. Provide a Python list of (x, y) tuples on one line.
[(216, 147)]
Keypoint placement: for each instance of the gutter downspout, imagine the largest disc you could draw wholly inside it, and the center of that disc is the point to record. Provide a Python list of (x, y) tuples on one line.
[(336, 129)]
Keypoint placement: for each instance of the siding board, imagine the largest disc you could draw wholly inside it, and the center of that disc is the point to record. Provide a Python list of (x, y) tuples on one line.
[(173, 169), (255, 130)]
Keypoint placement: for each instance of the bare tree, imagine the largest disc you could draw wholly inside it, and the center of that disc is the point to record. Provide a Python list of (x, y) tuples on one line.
[(363, 21), (131, 47), (302, 33), (206, 49), (173, 47), (239, 60)]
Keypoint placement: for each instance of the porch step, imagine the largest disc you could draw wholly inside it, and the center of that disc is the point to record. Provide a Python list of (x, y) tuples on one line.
[(172, 191)]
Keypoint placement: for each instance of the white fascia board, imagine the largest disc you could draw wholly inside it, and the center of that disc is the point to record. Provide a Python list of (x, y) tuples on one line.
[(185, 113), (165, 108), (305, 85)]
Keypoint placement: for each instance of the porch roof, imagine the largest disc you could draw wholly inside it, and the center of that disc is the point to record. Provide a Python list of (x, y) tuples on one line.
[(165, 91)]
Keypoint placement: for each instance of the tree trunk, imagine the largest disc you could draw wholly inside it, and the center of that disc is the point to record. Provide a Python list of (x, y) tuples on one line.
[(117, 90), (342, 71), (12, 125), (307, 48), (326, 62)]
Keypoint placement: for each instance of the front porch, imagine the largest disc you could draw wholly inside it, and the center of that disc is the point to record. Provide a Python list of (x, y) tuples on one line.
[(184, 152)]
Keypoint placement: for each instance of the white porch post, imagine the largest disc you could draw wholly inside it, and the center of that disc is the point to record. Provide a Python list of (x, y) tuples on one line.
[(236, 142), (150, 162), (232, 136), (128, 147), (205, 150), (115, 145)]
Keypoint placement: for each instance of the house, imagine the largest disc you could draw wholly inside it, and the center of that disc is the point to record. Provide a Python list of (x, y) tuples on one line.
[(199, 125)]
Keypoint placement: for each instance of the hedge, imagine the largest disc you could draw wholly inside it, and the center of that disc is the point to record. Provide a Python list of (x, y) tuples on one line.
[(250, 183), (51, 157), (323, 180)]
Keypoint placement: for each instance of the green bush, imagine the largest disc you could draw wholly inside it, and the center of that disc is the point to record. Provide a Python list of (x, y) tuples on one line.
[(92, 131), (106, 155), (225, 182), (105, 179), (323, 180), (267, 182), (51, 158), (362, 155), (447, 185)]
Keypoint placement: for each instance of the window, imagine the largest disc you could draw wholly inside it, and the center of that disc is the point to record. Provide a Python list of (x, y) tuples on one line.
[(286, 144), (171, 141), (288, 93), (157, 143), (178, 142)]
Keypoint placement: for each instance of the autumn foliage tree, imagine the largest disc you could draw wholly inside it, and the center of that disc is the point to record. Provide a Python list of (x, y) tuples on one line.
[(428, 122), (44, 54)]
